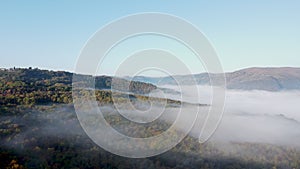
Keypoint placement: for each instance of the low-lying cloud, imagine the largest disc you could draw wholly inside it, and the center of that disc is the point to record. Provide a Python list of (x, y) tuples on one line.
[(254, 116), (249, 116)]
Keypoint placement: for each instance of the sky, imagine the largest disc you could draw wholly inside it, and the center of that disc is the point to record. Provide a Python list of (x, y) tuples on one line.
[(51, 34)]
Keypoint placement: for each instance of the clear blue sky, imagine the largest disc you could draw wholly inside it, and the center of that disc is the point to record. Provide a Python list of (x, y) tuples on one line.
[(50, 34)]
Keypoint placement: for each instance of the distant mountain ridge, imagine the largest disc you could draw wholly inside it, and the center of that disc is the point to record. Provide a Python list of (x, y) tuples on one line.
[(256, 78)]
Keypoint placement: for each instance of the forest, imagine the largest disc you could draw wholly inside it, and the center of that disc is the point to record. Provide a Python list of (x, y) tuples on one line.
[(29, 87)]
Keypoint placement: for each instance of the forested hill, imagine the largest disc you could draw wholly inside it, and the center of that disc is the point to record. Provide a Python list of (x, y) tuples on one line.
[(35, 86)]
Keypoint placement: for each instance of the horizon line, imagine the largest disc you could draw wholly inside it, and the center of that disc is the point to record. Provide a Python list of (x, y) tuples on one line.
[(70, 71)]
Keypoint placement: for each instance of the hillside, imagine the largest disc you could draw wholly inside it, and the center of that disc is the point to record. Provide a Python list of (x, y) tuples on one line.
[(34, 86), (35, 132)]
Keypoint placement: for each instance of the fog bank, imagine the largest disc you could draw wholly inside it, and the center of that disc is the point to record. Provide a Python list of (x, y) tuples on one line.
[(252, 116)]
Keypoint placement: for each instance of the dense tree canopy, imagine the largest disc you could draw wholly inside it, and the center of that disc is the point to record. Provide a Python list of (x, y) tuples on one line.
[(34, 86)]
